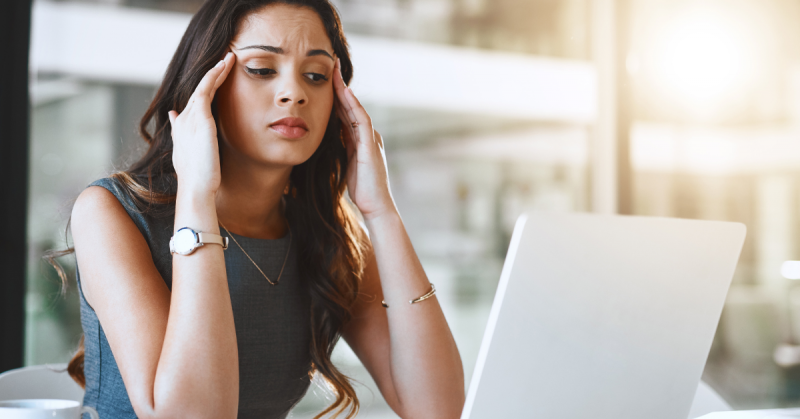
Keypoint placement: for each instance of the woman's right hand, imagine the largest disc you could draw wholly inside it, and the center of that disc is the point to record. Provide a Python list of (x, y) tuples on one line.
[(195, 153)]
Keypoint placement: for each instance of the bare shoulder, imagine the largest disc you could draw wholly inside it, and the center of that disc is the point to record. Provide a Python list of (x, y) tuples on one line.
[(94, 205), (108, 245), (97, 213)]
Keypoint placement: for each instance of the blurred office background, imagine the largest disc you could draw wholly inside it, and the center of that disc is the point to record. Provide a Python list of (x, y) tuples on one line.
[(670, 108)]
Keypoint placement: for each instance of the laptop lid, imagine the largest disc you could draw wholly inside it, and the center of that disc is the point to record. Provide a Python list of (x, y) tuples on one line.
[(603, 317)]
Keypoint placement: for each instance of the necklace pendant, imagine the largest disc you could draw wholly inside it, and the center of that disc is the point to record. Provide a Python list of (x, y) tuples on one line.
[(289, 249)]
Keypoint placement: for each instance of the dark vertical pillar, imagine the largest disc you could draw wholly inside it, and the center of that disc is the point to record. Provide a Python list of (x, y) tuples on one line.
[(15, 23), (624, 109)]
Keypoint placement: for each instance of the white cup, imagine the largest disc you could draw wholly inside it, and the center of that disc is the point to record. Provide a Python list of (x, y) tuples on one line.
[(44, 409)]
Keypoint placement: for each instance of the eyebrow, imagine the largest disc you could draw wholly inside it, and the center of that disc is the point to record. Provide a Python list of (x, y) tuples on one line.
[(278, 50)]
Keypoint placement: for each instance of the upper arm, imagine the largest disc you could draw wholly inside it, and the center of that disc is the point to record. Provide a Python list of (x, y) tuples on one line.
[(120, 281), (367, 333)]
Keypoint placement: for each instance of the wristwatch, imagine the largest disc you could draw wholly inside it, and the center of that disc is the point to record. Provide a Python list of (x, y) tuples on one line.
[(186, 240)]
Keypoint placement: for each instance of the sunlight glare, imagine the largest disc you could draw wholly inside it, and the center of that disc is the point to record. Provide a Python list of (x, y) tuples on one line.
[(702, 58)]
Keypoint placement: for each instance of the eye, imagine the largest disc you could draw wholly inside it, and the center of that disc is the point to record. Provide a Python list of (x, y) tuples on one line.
[(259, 71), (316, 77)]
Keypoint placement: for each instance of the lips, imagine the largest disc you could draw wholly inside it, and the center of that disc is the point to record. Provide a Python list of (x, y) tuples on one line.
[(290, 127)]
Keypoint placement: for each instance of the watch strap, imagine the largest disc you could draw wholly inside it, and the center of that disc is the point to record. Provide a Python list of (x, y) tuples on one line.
[(211, 238)]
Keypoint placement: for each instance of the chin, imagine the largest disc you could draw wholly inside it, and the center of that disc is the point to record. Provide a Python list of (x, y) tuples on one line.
[(288, 152)]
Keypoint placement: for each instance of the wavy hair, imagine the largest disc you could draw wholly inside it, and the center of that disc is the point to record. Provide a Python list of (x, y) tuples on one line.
[(331, 244)]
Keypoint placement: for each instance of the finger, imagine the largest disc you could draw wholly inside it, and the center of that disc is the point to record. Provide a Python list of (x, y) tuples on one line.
[(349, 133), (350, 100), (347, 98), (378, 138), (229, 60), (340, 86), (347, 123), (363, 124), (338, 81), (359, 113), (203, 89), (348, 110), (355, 136), (342, 114)]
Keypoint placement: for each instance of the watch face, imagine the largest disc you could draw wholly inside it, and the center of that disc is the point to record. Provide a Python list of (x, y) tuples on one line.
[(184, 241)]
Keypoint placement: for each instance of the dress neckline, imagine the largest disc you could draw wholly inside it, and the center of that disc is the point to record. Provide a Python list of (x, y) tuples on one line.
[(255, 239)]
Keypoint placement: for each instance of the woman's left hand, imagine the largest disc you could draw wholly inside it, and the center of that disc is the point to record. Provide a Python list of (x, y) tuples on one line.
[(367, 177)]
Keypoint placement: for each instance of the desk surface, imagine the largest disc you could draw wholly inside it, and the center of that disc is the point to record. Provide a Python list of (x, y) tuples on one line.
[(756, 414)]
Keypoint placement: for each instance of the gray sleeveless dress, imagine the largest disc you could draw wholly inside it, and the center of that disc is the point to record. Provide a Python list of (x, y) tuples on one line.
[(272, 323)]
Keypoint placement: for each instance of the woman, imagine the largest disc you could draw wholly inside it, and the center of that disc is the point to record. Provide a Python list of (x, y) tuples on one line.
[(257, 148)]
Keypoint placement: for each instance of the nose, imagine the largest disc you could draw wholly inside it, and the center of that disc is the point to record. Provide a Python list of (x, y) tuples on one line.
[(290, 93)]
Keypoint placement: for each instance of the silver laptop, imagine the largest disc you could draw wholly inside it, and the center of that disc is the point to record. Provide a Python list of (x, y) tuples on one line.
[(603, 317)]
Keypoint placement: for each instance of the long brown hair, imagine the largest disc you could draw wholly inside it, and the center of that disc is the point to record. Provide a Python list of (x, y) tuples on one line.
[(331, 245)]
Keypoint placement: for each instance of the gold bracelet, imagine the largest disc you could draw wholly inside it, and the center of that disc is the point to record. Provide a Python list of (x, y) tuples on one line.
[(424, 297)]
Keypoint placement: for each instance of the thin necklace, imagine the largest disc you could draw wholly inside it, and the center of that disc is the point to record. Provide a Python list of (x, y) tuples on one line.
[(254, 262)]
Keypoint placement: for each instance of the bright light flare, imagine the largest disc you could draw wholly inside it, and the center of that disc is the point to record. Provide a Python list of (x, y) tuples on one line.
[(701, 58), (791, 269)]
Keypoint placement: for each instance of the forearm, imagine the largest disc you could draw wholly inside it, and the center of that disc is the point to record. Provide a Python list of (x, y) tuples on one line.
[(198, 367), (427, 372)]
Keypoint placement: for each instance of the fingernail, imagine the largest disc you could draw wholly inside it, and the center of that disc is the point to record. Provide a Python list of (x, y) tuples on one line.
[(220, 64), (228, 55)]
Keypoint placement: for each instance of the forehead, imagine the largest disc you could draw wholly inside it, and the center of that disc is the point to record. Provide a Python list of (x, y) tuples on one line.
[(285, 26)]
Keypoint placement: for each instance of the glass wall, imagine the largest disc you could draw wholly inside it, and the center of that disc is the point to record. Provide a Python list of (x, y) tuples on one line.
[(715, 136), (70, 132), (80, 131)]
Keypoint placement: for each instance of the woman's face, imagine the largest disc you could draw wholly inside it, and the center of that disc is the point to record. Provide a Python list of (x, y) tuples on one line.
[(284, 67)]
